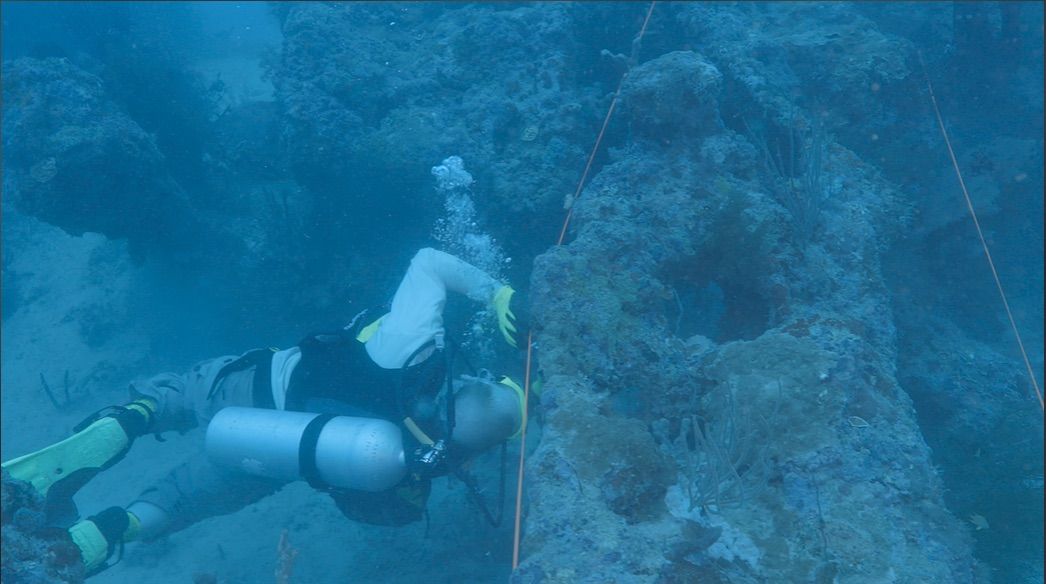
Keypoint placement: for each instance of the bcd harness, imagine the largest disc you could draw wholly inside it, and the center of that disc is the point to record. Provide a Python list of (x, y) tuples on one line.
[(334, 371), (336, 375)]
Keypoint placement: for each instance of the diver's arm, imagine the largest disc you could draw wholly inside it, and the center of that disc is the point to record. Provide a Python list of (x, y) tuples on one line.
[(416, 315)]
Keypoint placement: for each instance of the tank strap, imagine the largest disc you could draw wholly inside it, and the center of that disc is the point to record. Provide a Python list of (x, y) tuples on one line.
[(307, 451), (248, 359), (475, 493), (417, 432), (261, 386), (448, 372), (401, 387), (452, 352)]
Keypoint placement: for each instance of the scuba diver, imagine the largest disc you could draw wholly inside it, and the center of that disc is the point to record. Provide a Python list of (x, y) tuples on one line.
[(356, 412)]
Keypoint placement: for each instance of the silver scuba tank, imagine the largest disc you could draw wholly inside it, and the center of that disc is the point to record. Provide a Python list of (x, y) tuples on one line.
[(346, 452), (486, 412), (350, 452)]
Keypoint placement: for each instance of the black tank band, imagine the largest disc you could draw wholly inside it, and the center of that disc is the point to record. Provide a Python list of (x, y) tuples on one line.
[(307, 450)]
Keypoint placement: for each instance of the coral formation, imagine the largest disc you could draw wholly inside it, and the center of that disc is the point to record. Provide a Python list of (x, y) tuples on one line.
[(33, 552), (768, 412), (87, 165)]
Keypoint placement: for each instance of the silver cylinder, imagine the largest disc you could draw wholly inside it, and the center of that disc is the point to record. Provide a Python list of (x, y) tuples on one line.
[(486, 413), (351, 453)]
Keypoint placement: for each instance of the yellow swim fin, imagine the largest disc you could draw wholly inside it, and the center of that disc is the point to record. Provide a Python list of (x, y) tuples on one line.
[(78, 458)]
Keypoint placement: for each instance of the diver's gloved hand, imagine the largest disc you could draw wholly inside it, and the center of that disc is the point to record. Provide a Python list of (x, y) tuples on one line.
[(503, 307), (429, 461)]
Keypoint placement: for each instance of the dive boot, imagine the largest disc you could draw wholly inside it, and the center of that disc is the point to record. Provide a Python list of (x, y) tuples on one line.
[(61, 469), (99, 535)]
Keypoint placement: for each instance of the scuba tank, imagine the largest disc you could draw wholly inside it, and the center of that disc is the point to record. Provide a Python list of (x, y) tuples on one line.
[(486, 412), (338, 451), (364, 454)]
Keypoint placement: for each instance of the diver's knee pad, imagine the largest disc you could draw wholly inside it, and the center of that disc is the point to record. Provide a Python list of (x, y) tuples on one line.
[(152, 520), (338, 451)]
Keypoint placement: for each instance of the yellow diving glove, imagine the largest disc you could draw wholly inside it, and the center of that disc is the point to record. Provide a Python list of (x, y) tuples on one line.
[(506, 319)]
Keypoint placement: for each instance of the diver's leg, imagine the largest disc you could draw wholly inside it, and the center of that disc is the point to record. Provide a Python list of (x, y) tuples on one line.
[(196, 491), (199, 489), (161, 403), (185, 401), (192, 491)]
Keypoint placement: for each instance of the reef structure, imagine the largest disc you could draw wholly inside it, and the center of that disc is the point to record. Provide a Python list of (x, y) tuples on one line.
[(784, 448), (33, 552)]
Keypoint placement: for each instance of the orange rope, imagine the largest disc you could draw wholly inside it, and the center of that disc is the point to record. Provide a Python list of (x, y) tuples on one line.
[(522, 449), (588, 165), (602, 130), (559, 242), (980, 235)]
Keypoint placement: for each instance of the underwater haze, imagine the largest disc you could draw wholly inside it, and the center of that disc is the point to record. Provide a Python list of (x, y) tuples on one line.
[(771, 344)]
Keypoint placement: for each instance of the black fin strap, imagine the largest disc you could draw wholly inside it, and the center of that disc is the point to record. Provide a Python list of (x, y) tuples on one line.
[(112, 523), (307, 451), (134, 422), (107, 565), (98, 415)]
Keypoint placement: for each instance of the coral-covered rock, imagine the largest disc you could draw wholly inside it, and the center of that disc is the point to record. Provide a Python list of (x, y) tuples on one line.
[(81, 163), (586, 479), (789, 431), (33, 552), (376, 96), (676, 92)]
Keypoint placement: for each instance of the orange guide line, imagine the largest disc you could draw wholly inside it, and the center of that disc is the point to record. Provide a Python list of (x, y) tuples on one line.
[(980, 235), (559, 242)]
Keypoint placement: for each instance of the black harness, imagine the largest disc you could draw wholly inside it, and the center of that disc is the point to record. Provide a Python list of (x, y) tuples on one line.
[(336, 375), (261, 386)]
